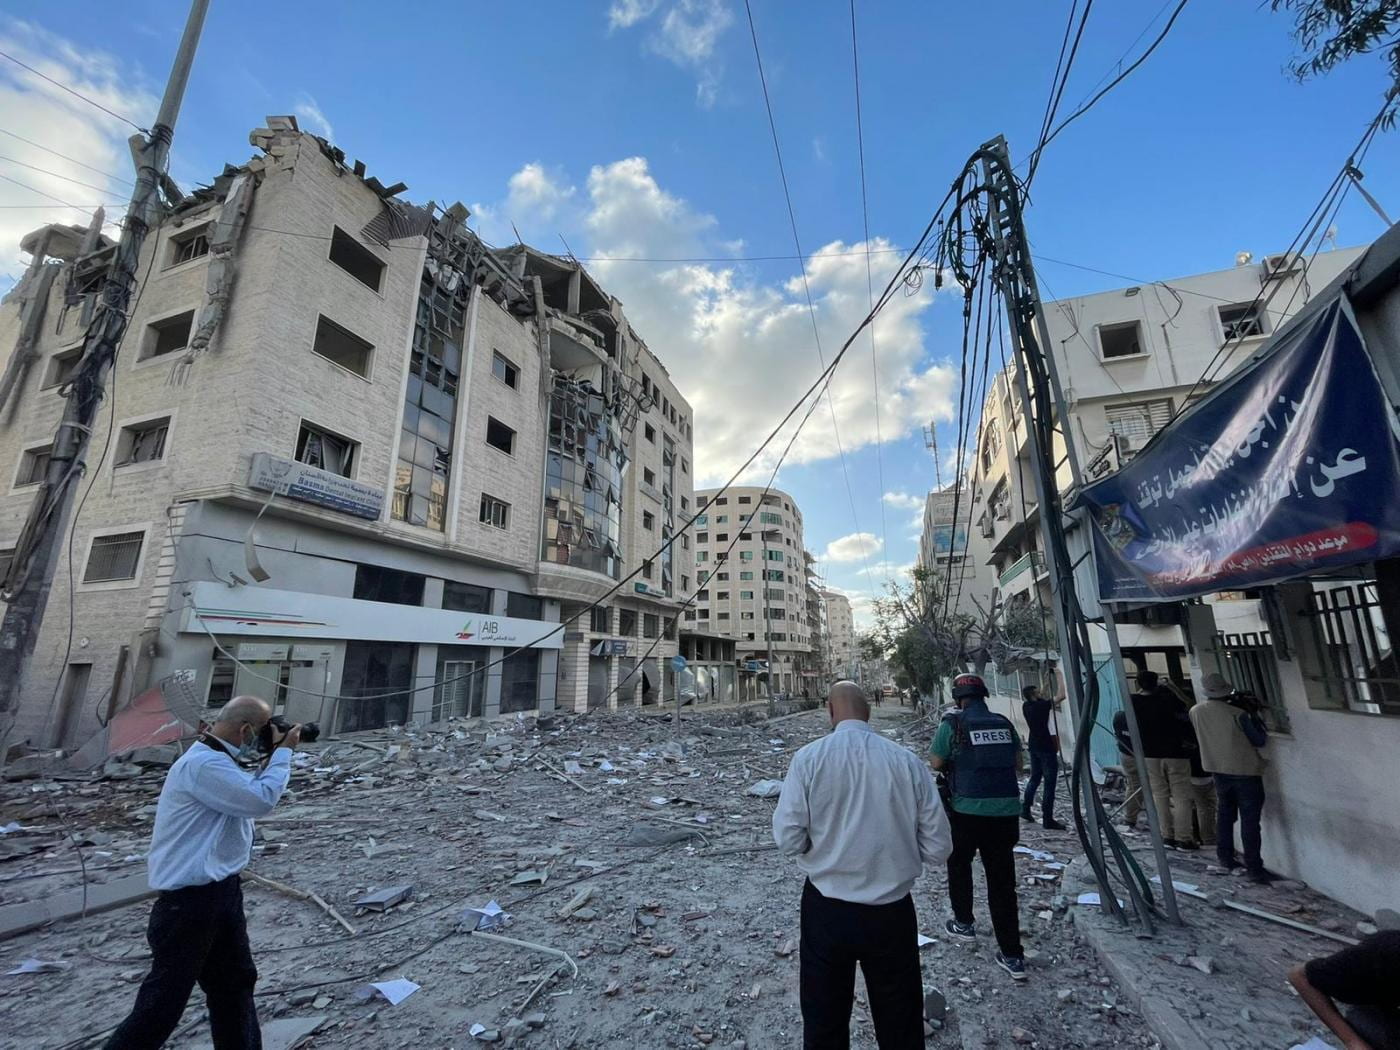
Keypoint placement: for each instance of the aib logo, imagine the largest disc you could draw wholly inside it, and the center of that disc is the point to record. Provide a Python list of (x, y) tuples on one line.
[(488, 627)]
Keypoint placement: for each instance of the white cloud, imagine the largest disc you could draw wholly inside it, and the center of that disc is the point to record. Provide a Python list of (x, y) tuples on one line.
[(311, 118), (854, 547), (685, 35), (903, 501), (623, 14), (739, 348), (39, 111)]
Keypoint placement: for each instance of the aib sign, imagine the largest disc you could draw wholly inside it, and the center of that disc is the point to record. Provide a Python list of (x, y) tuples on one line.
[(482, 629)]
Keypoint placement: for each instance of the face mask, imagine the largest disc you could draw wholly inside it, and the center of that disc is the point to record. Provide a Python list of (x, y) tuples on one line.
[(249, 749)]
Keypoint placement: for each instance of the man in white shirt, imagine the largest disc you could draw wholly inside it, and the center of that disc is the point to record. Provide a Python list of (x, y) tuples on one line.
[(862, 817), (202, 840)]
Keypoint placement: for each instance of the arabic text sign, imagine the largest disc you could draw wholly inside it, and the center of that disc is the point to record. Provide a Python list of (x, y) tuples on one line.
[(1289, 467), (313, 485)]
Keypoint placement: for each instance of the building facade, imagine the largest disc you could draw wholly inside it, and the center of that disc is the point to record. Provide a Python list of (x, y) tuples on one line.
[(751, 571), (841, 635), (356, 462)]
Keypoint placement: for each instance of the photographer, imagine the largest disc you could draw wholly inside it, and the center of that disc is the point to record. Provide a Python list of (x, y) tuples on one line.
[(202, 840), (1230, 734)]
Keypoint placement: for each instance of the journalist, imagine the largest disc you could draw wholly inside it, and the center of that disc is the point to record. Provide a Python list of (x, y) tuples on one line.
[(203, 838), (1231, 736)]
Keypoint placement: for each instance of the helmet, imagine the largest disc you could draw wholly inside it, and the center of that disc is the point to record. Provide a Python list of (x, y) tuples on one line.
[(967, 686)]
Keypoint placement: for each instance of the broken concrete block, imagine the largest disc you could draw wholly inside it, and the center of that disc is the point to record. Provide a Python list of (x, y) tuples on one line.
[(585, 914), (503, 764), (766, 789), (534, 1020), (527, 877), (651, 835), (382, 900), (935, 1005), (116, 769), (1020, 1035), (161, 755)]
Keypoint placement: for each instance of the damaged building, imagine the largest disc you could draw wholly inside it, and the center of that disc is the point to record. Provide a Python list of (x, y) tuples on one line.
[(352, 459)]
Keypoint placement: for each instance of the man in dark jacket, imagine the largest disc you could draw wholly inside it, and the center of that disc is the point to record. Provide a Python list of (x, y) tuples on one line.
[(1166, 735), (1043, 746)]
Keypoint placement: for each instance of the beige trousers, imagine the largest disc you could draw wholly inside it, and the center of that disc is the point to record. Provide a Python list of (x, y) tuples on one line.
[(1170, 783)]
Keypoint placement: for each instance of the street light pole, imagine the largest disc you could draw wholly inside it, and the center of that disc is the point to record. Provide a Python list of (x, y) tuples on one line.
[(767, 623)]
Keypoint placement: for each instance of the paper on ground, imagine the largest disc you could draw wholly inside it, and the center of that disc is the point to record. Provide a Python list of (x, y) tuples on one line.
[(12, 827), (1034, 854), (605, 766), (396, 991), (477, 1029), (489, 916), (39, 966), (1312, 1044), (1093, 898), (924, 942)]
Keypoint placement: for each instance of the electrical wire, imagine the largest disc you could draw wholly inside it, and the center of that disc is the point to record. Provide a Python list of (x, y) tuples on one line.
[(807, 291), (64, 156), (1052, 106), (56, 175), (1034, 159), (41, 193), (870, 292), (75, 94)]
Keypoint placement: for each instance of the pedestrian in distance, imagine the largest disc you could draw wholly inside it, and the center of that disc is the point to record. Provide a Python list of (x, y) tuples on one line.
[(202, 840), (1362, 976), (862, 817), (1043, 745), (1166, 745), (1231, 734), (979, 754), (1132, 780)]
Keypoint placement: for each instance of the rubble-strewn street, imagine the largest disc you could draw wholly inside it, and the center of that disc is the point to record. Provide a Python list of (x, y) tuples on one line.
[(565, 823)]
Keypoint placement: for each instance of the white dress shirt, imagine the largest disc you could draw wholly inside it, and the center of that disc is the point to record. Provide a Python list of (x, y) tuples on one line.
[(204, 818), (862, 815)]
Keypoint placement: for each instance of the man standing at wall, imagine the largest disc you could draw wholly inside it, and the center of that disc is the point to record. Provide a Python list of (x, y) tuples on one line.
[(1230, 734), (862, 817), (1166, 731), (1044, 748), (1132, 779), (982, 754)]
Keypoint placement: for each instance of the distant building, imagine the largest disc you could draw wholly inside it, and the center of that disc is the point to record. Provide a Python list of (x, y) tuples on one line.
[(841, 632), (357, 457), (751, 568), (956, 552)]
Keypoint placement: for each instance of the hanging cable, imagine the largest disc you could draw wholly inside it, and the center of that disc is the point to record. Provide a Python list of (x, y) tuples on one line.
[(75, 94)]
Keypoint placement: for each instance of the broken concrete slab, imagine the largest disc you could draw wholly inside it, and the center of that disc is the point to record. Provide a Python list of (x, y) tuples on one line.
[(30, 915), (382, 900)]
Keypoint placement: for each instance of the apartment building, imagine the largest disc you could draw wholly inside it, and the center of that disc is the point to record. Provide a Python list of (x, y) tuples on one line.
[(752, 572), (955, 550), (841, 634), (357, 462)]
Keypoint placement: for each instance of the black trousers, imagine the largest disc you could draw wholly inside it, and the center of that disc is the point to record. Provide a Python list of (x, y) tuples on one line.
[(197, 934), (884, 939), (993, 838), (1243, 798)]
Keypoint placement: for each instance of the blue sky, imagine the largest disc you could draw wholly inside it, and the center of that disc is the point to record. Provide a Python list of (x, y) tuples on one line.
[(637, 128)]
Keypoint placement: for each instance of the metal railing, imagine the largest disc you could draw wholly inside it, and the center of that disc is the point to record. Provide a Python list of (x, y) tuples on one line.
[(1248, 663)]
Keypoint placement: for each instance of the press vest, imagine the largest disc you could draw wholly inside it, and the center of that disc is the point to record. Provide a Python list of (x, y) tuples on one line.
[(984, 754)]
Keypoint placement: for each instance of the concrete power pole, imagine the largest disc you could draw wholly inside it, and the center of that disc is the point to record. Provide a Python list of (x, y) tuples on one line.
[(31, 572), (1042, 398)]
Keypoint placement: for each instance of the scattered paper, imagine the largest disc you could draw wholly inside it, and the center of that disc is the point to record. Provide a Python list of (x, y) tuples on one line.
[(476, 1029), (659, 800), (1034, 854), (1312, 1044), (489, 916), (40, 966), (573, 769), (1184, 887), (396, 991), (1054, 865), (12, 827), (924, 942), (605, 766), (616, 781), (1093, 898)]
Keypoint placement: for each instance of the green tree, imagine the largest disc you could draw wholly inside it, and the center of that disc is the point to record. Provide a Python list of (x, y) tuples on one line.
[(1330, 32)]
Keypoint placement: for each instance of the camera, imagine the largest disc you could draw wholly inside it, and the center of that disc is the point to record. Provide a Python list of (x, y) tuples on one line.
[(309, 732)]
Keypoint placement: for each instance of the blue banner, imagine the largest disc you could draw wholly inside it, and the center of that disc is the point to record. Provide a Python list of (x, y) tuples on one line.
[(1289, 467)]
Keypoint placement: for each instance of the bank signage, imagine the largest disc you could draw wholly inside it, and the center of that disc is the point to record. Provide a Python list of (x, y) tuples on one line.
[(309, 484), (267, 612), (1289, 467)]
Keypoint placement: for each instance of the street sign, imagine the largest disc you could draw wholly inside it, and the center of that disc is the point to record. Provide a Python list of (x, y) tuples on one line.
[(678, 663)]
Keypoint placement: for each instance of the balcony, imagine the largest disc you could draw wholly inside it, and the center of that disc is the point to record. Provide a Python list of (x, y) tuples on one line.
[(1034, 560)]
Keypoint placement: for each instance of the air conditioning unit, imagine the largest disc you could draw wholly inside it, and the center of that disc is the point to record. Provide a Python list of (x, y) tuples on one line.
[(1282, 265)]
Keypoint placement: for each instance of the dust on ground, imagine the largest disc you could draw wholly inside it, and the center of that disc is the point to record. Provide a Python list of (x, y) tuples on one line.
[(686, 944)]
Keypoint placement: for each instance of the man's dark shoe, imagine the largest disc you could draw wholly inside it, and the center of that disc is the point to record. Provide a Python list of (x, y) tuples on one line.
[(1261, 878), (962, 931), (1229, 865), (1026, 814), (1169, 843), (1051, 824), (1187, 845), (1015, 965)]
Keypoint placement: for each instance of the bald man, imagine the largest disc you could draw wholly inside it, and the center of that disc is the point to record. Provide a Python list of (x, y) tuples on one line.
[(862, 817), (202, 840)]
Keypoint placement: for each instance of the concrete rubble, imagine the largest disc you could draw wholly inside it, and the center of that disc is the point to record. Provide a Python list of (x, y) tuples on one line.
[(644, 905)]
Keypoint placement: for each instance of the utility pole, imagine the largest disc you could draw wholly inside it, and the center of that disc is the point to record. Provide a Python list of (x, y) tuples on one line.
[(1042, 399), (31, 572)]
